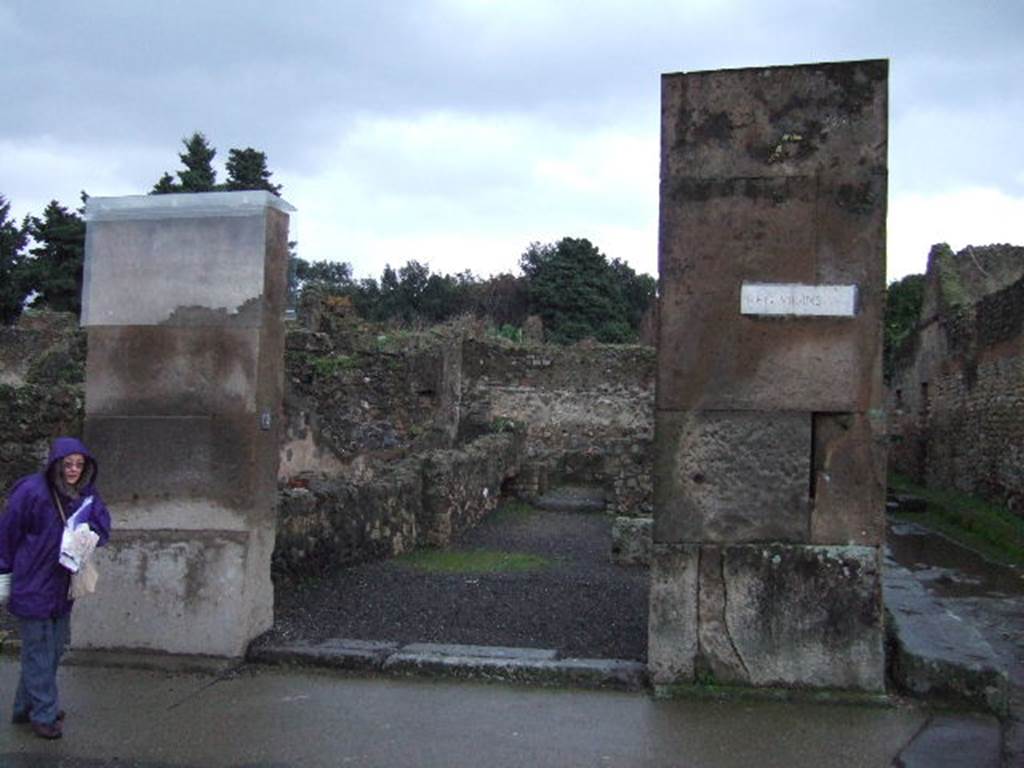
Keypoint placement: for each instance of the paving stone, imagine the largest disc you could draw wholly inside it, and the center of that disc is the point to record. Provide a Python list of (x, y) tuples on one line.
[(954, 741), (479, 651), (585, 673), (337, 653)]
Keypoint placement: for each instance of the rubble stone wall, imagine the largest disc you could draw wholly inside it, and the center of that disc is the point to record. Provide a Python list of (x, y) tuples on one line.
[(956, 399), (42, 394), (421, 500), (588, 414)]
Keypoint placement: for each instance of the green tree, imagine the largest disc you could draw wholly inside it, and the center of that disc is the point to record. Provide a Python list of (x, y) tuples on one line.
[(903, 300), (13, 239), (54, 270), (247, 169), (165, 186), (579, 293), (502, 298), (330, 276), (199, 175)]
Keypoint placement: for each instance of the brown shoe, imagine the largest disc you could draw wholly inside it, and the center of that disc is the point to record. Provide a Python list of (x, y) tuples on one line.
[(44, 731)]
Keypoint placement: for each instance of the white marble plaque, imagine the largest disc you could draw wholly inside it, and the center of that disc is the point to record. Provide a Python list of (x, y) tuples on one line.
[(793, 299)]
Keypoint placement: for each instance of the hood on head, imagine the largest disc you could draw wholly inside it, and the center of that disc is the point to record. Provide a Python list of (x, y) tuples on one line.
[(65, 446)]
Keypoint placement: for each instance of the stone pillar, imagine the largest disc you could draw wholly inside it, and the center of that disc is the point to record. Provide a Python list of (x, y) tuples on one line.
[(770, 465), (183, 303)]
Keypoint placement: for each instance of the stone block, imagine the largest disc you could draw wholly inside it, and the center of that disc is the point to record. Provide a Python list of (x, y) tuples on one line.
[(935, 653), (632, 540), (336, 653), (672, 627), (189, 457), (150, 370), (191, 592), (764, 179), (518, 665), (792, 615), (775, 121), (849, 479), (732, 477), (203, 255), (718, 658)]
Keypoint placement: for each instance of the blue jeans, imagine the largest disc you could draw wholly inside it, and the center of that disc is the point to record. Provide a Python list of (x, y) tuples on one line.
[(42, 644)]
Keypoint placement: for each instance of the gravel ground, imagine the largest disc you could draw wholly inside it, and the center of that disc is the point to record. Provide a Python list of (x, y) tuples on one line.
[(581, 604)]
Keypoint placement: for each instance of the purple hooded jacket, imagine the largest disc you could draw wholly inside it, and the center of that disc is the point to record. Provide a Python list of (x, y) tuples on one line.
[(30, 535)]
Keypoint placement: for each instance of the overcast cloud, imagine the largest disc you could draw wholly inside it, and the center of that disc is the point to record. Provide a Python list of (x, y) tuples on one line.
[(456, 132)]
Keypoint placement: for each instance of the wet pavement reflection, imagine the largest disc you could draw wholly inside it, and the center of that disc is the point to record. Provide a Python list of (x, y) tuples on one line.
[(948, 569)]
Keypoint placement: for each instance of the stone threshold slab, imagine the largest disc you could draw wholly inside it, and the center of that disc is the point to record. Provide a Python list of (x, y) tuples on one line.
[(518, 665)]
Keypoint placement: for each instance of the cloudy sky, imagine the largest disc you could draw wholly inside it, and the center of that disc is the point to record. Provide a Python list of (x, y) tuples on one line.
[(456, 132)]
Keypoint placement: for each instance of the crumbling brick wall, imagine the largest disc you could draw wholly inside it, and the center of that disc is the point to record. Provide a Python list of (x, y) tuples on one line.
[(956, 399)]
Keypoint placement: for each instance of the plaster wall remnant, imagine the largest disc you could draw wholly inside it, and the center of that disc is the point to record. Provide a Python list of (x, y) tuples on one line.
[(769, 435), (183, 303)]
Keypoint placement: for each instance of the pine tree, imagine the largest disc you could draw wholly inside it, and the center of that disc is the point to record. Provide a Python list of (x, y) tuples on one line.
[(247, 169), (165, 186), (197, 158), (13, 239), (55, 269)]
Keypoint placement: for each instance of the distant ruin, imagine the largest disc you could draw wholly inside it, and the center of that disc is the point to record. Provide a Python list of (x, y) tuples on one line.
[(956, 398)]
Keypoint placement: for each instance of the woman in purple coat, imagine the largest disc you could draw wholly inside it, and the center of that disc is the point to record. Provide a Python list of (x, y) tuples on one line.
[(30, 550)]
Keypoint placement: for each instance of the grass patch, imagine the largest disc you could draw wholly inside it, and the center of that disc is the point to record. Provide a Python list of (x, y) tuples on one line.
[(330, 365), (473, 561), (989, 529)]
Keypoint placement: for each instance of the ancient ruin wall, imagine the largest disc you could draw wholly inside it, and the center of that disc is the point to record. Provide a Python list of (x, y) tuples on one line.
[(956, 400), (42, 395), (588, 414), (370, 416)]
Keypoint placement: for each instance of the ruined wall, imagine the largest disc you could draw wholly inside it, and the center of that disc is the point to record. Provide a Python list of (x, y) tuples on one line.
[(956, 399), (588, 412), (425, 499), (358, 397), (380, 437), (42, 396)]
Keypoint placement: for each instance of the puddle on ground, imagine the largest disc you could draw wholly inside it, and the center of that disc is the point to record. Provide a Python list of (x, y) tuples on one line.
[(946, 568)]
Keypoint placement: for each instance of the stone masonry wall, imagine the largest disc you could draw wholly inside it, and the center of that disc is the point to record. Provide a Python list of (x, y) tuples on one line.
[(956, 400), (42, 396), (588, 413), (422, 500)]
